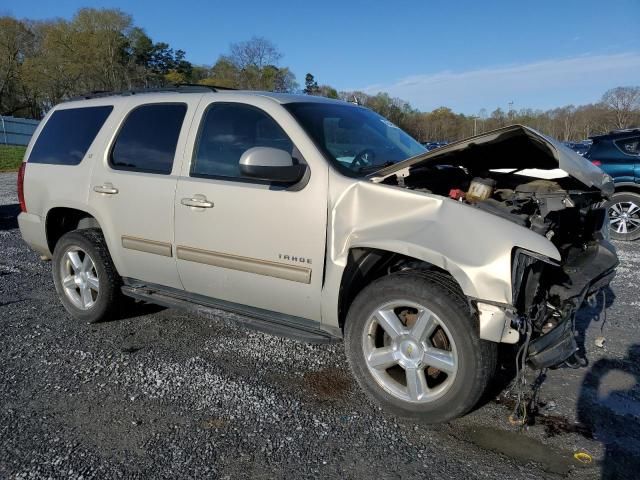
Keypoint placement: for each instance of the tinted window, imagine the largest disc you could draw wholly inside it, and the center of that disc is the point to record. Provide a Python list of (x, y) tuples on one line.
[(147, 141), (227, 131), (630, 146), (68, 134)]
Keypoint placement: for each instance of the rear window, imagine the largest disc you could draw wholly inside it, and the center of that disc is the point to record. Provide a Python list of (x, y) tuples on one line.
[(68, 134), (148, 139), (630, 146)]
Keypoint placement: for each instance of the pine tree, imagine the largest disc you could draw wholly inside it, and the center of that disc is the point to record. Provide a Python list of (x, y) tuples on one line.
[(310, 85)]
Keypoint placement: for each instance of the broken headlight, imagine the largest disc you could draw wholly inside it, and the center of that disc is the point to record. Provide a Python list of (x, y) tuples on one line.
[(522, 261)]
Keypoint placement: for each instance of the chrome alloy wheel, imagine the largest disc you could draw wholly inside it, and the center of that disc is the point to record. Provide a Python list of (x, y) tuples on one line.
[(79, 278), (410, 352), (624, 217)]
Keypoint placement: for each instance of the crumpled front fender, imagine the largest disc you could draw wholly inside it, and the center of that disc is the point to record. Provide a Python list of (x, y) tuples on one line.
[(472, 245)]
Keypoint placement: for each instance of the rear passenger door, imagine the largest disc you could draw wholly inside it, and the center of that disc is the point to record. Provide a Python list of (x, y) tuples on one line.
[(133, 188)]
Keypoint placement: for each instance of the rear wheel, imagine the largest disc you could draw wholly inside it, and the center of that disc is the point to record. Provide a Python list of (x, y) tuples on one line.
[(84, 276), (414, 348), (624, 216)]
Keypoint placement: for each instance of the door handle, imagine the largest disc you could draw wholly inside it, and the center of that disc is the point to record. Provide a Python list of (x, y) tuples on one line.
[(106, 188), (198, 201)]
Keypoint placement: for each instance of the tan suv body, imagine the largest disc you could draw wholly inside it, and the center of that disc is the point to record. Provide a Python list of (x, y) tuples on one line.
[(258, 203)]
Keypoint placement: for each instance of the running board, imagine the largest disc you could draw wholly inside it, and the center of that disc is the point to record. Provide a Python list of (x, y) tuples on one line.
[(257, 319)]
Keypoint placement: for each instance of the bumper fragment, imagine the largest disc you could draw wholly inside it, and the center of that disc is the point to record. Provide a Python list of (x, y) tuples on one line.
[(553, 348), (34, 233), (495, 324)]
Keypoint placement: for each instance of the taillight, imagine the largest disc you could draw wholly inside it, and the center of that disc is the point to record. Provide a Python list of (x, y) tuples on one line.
[(597, 163), (23, 205)]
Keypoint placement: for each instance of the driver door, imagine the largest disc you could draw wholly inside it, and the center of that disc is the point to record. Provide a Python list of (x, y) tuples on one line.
[(242, 240)]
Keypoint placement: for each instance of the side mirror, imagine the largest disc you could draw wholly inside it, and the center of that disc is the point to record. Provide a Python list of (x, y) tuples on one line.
[(271, 164)]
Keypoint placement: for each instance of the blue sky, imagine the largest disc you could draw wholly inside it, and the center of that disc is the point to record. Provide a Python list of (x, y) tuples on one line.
[(466, 55)]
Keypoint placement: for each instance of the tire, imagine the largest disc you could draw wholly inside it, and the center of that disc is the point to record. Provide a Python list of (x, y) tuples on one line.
[(104, 297), (624, 212), (440, 299)]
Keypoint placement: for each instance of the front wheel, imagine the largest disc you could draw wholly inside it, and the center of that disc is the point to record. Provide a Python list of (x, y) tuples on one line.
[(624, 216), (414, 348)]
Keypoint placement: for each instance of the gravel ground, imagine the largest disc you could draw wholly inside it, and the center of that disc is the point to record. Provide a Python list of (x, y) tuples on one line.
[(166, 394)]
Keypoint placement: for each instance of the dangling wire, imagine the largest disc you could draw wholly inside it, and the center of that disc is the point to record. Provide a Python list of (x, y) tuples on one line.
[(519, 414), (535, 391), (604, 309)]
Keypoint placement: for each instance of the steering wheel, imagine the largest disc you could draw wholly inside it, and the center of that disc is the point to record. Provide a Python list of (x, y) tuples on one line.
[(363, 159)]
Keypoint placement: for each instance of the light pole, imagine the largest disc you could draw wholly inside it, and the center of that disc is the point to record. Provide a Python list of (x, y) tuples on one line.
[(475, 125), (4, 130)]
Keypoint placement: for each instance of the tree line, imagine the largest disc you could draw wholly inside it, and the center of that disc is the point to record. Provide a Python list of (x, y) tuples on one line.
[(619, 108), (45, 62)]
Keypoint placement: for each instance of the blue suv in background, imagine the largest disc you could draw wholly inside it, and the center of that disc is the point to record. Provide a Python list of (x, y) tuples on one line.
[(618, 154)]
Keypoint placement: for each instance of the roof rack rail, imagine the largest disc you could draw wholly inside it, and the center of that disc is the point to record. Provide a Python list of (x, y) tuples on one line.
[(179, 88), (616, 132), (625, 130), (215, 88)]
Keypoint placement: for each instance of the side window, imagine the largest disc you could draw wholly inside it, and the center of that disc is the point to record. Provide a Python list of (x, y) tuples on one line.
[(147, 141), (68, 134), (227, 131), (630, 146)]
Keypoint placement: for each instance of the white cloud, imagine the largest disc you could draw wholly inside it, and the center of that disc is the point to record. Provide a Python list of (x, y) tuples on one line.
[(542, 84)]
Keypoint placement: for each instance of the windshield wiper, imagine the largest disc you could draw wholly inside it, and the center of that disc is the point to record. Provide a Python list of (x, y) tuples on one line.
[(375, 168)]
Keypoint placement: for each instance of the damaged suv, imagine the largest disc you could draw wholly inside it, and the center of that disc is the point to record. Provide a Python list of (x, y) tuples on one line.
[(321, 220)]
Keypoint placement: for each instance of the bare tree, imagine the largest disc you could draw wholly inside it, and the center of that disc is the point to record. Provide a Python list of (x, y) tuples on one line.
[(257, 52), (622, 101), (565, 122)]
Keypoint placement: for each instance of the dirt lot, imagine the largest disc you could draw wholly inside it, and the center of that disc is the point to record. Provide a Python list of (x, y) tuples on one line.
[(166, 394)]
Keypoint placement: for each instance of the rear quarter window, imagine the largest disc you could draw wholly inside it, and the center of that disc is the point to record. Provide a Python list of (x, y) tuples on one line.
[(68, 134)]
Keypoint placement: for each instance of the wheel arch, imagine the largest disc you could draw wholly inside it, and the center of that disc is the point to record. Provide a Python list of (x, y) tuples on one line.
[(62, 220), (367, 264), (627, 187)]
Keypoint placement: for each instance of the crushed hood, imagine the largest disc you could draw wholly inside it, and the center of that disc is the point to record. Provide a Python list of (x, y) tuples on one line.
[(513, 147)]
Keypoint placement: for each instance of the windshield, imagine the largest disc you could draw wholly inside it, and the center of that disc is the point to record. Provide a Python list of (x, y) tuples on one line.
[(356, 140)]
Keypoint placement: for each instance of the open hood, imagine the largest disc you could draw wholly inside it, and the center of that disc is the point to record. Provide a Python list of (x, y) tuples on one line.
[(515, 147)]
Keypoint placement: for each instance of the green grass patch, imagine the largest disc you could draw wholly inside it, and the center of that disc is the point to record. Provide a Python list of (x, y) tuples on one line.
[(11, 157)]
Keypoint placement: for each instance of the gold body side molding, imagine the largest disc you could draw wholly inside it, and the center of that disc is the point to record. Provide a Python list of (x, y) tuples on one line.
[(148, 246), (245, 264)]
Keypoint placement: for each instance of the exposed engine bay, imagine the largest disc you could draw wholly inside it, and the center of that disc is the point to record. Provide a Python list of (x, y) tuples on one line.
[(558, 209), (517, 177)]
